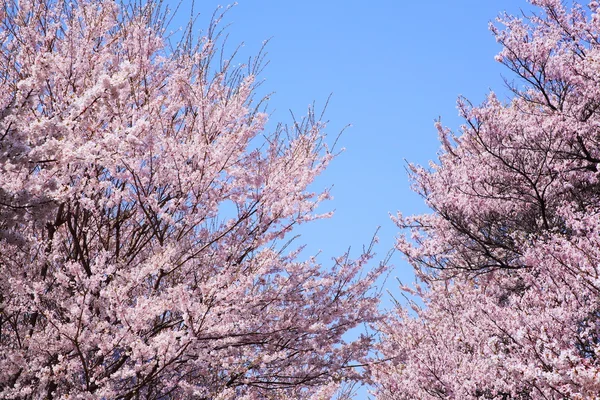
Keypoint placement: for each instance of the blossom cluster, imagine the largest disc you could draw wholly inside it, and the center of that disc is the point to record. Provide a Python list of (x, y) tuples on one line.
[(121, 275), (508, 300)]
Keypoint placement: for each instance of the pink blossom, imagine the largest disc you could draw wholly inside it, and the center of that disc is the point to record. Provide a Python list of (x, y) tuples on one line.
[(120, 278), (509, 258)]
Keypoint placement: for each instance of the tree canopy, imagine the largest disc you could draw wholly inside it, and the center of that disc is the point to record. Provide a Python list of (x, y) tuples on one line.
[(144, 217), (508, 304)]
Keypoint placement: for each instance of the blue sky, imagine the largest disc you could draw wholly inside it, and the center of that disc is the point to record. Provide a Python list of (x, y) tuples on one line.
[(392, 68)]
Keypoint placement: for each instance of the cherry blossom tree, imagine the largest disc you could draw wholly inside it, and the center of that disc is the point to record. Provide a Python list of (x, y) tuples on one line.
[(145, 215), (507, 304)]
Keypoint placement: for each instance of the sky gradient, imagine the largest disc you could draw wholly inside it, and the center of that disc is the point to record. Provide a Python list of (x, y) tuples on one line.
[(392, 68)]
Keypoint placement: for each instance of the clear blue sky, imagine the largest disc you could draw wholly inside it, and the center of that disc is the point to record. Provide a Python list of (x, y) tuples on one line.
[(392, 67)]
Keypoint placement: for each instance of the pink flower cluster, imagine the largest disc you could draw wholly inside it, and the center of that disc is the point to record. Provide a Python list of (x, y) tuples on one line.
[(508, 300), (121, 277)]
